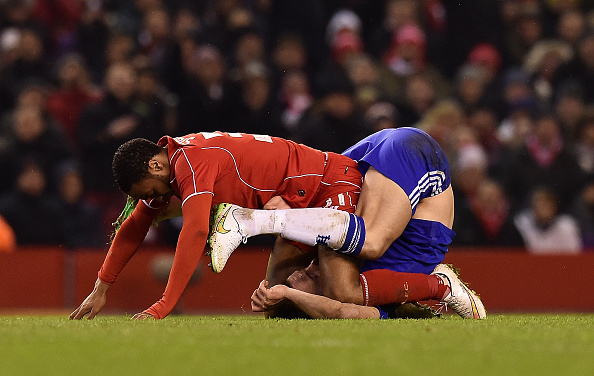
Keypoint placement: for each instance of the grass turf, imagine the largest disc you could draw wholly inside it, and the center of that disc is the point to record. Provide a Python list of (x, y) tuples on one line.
[(250, 345)]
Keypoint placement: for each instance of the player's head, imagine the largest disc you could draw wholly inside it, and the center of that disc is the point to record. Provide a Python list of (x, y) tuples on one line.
[(307, 279), (141, 169)]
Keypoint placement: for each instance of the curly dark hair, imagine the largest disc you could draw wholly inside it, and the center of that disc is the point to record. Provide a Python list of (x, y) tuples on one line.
[(130, 162)]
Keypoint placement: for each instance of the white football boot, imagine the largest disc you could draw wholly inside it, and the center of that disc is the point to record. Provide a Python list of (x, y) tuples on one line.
[(461, 299), (225, 235)]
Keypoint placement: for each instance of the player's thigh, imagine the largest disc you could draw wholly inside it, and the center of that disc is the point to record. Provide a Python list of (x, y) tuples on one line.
[(284, 259), (385, 207), (339, 275)]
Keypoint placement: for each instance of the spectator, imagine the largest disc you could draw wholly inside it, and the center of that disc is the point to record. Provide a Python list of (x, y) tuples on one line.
[(470, 87), (104, 125), (153, 100), (371, 81), (295, 99), (80, 220), (343, 36), (583, 143), (397, 14), (484, 219), (289, 54), (92, 34), (75, 91), (516, 91), (418, 101), (525, 31), (334, 123), (30, 63), (255, 112), (544, 160), (569, 105), (155, 36), (469, 169), (207, 94), (381, 115), (59, 18), (249, 48), (580, 68), (483, 124), (488, 59), (518, 123), (545, 229), (442, 122), (406, 57), (29, 135), (583, 210), (571, 26), (541, 62), (30, 211)]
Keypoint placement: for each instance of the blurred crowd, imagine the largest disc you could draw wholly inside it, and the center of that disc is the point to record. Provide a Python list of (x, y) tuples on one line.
[(505, 86)]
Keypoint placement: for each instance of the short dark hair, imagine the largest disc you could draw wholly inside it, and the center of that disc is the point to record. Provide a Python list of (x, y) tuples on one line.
[(130, 162)]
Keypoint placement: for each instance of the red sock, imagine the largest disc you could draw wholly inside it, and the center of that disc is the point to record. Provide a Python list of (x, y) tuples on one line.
[(382, 286)]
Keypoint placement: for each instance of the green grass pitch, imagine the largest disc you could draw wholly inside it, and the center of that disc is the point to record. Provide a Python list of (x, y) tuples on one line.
[(251, 345)]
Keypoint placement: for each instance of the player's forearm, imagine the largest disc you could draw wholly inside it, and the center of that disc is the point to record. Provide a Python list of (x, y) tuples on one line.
[(321, 307), (126, 243), (187, 256)]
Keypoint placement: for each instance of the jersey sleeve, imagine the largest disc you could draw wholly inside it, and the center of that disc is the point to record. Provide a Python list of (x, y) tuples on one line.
[(190, 247)]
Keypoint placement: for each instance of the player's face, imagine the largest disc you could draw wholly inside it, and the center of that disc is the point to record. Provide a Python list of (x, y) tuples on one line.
[(307, 279), (152, 187)]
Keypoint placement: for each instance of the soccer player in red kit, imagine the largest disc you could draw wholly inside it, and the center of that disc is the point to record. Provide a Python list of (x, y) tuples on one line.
[(206, 169)]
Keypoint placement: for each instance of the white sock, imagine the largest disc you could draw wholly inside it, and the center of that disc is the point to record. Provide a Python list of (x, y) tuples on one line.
[(309, 226)]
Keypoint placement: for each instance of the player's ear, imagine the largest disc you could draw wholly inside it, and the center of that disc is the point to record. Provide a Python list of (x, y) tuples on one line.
[(154, 165)]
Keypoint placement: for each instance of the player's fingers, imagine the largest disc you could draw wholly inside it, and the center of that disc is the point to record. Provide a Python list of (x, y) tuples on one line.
[(74, 313), (82, 311), (93, 313), (254, 294), (257, 308), (258, 305)]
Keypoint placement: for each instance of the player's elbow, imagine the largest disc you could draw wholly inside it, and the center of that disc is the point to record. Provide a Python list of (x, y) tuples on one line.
[(353, 311), (194, 236)]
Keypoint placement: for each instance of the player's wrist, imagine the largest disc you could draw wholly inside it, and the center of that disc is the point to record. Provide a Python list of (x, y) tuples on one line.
[(101, 287)]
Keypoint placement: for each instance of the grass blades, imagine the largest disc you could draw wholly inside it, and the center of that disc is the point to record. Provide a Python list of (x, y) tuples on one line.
[(250, 345)]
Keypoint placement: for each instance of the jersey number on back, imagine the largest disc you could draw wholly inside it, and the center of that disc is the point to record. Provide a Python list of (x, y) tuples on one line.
[(257, 137)]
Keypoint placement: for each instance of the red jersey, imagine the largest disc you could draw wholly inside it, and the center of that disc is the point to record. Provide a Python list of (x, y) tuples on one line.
[(243, 169)]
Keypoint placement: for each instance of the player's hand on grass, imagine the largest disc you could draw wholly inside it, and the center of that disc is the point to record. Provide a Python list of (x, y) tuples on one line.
[(142, 316), (264, 298), (93, 304)]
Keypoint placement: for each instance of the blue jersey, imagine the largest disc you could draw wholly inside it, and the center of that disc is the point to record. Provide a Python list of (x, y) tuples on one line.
[(409, 157)]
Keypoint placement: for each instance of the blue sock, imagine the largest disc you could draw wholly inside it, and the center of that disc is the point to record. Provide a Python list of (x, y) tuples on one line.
[(355, 236)]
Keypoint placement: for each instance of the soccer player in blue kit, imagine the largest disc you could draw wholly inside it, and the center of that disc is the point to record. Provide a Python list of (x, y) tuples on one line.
[(402, 226)]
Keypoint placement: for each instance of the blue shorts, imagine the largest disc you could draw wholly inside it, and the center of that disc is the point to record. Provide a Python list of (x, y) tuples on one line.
[(407, 156), (420, 248)]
